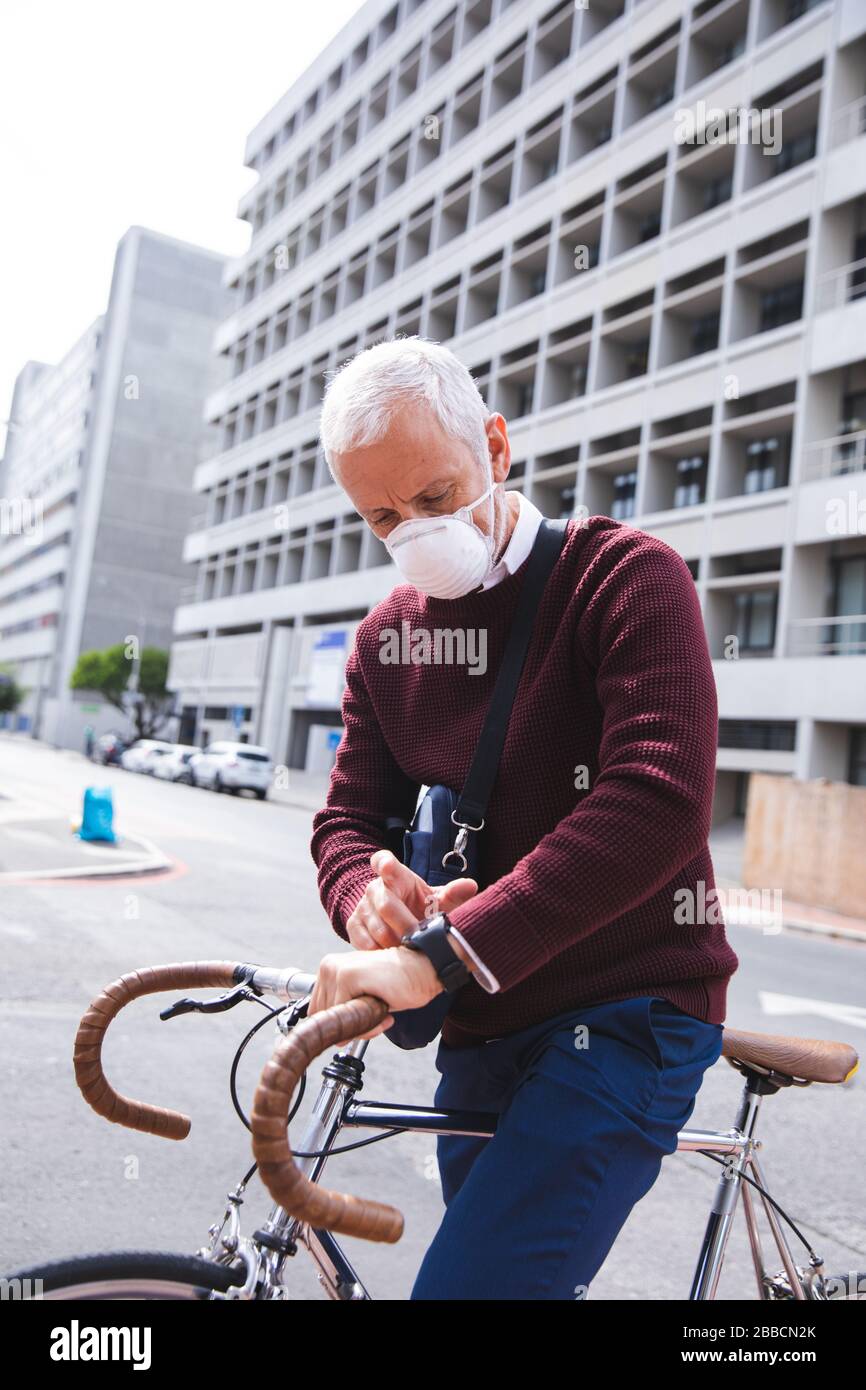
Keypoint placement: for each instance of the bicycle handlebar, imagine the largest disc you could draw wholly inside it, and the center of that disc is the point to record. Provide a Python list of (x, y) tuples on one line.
[(290, 1189), (87, 1052), (307, 1201)]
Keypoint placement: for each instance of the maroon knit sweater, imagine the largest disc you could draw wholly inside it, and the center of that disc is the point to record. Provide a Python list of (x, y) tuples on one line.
[(576, 903)]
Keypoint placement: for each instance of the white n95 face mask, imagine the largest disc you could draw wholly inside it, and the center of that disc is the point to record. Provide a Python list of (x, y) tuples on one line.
[(443, 556)]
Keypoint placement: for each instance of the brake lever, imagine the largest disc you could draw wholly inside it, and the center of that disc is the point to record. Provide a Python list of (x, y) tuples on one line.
[(287, 1018), (212, 1006)]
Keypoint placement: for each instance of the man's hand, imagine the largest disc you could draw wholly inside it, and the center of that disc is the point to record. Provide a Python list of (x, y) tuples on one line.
[(403, 979), (395, 902)]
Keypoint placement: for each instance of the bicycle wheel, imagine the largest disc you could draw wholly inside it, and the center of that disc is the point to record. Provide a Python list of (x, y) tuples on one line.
[(125, 1274)]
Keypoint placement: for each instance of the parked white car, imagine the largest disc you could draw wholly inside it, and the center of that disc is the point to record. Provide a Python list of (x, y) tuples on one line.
[(138, 757), (153, 758), (233, 767), (173, 766)]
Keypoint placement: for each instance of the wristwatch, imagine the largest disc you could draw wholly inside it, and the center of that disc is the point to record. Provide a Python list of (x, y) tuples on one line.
[(432, 939)]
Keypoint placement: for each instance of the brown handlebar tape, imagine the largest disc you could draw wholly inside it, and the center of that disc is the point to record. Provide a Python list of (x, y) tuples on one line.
[(87, 1053), (307, 1201)]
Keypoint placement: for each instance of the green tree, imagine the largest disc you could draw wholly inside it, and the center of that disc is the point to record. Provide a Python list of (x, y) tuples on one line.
[(11, 693), (134, 686)]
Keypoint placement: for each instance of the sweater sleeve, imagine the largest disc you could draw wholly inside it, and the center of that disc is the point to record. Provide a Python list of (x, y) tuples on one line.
[(366, 787), (649, 810)]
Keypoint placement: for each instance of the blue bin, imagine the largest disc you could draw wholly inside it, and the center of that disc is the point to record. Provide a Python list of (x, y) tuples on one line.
[(98, 815)]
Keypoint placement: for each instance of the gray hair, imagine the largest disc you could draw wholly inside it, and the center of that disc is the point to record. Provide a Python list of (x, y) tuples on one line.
[(363, 394)]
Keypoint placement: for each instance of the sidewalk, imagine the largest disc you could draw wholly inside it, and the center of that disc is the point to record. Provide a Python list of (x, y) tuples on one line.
[(307, 791), (36, 846)]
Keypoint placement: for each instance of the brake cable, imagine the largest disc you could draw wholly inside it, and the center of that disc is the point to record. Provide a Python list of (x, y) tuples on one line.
[(298, 1153), (707, 1153)]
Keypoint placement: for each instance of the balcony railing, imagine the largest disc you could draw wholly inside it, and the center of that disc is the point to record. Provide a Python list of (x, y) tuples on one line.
[(840, 287), (829, 458), (844, 636), (848, 123)]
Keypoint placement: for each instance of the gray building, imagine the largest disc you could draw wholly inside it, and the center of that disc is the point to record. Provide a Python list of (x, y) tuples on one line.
[(96, 484), (671, 317)]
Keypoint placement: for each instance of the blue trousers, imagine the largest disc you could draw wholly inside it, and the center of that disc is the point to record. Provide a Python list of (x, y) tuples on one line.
[(589, 1103)]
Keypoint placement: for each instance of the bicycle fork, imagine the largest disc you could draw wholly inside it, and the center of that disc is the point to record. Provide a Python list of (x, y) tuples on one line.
[(341, 1079)]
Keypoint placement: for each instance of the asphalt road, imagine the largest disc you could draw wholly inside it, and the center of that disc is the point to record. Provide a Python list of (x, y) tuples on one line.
[(244, 888)]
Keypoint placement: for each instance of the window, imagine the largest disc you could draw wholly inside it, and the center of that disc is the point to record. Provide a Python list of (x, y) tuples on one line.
[(794, 152), (766, 464), (755, 620), (705, 333), (857, 279), (857, 758), (636, 359), (567, 497), (849, 600), (692, 479), (624, 489), (662, 95), (777, 735), (578, 378), (732, 50), (850, 453), (782, 305), (524, 398), (717, 191), (649, 226), (797, 8)]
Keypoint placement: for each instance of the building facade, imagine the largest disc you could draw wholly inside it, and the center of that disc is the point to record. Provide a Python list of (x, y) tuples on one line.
[(96, 482), (642, 226)]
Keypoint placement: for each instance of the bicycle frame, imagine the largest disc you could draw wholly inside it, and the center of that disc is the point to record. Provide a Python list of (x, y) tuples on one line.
[(336, 1108)]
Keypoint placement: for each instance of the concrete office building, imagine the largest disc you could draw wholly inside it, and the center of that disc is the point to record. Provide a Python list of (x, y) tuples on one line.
[(96, 483), (670, 313)]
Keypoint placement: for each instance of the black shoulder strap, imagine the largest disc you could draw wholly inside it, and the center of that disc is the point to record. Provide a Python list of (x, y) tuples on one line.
[(473, 800)]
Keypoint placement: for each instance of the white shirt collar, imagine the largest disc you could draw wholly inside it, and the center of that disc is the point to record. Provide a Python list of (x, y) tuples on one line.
[(520, 542)]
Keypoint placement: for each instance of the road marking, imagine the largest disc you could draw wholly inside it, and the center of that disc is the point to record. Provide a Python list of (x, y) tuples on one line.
[(854, 1015)]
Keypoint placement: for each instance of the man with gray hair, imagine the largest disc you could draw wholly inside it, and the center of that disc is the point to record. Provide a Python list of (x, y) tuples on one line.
[(589, 1011)]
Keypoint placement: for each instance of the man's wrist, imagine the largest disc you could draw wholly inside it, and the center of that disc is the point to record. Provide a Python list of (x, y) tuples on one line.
[(433, 939), (459, 949), (428, 969), (480, 972)]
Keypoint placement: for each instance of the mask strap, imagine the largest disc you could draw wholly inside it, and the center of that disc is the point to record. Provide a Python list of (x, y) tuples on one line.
[(477, 503)]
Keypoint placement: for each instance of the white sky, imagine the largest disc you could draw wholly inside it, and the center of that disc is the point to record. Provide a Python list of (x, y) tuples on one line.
[(114, 113)]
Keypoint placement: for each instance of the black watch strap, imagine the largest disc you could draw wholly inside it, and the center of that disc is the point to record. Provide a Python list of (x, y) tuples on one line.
[(432, 939)]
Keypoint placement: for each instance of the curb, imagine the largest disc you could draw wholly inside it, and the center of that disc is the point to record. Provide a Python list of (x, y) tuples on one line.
[(155, 862), (294, 805), (822, 929), (805, 924)]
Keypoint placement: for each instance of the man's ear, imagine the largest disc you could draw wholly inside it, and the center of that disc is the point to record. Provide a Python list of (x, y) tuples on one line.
[(499, 446)]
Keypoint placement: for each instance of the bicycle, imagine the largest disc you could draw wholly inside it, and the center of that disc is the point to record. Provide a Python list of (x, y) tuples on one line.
[(308, 1216)]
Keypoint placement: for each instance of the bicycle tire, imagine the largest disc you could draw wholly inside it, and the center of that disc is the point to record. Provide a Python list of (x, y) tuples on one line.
[(128, 1274)]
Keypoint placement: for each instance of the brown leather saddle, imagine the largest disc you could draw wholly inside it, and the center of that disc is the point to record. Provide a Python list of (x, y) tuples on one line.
[(800, 1059)]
